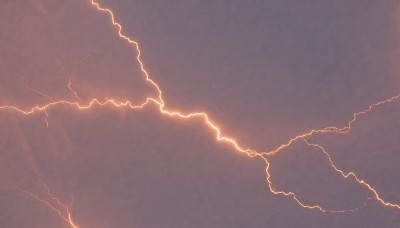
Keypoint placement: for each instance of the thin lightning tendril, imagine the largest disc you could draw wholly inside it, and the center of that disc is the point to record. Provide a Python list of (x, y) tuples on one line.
[(159, 102), (69, 76), (67, 218), (55, 204)]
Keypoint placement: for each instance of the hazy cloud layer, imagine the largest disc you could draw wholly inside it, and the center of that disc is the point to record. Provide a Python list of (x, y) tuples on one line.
[(264, 70)]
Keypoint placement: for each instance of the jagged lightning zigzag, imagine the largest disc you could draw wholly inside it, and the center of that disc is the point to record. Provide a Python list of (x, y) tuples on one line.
[(159, 102)]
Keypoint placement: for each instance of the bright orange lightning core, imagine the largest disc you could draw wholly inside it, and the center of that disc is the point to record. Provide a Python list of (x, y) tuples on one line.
[(158, 101)]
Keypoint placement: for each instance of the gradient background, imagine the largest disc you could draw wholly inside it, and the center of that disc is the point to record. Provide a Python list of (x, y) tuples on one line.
[(264, 70)]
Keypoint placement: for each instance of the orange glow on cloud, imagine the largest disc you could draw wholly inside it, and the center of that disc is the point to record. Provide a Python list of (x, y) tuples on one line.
[(158, 101)]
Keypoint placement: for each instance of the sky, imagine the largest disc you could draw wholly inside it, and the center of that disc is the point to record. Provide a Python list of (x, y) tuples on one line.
[(263, 71)]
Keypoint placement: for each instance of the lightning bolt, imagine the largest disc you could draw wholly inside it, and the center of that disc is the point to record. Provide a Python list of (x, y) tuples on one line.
[(67, 216), (53, 203), (353, 175), (69, 76), (158, 101)]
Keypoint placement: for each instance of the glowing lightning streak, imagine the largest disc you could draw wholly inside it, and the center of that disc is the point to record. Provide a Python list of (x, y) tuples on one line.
[(35, 90), (69, 84), (66, 207), (136, 45), (42, 94), (332, 129), (352, 174), (159, 102), (295, 197), (38, 175), (231, 141), (67, 218)]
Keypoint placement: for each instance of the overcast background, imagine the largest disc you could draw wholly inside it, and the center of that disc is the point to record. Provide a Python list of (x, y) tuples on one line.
[(264, 70)]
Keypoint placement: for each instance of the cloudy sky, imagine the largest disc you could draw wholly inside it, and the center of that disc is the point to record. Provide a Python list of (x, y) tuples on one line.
[(265, 71)]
